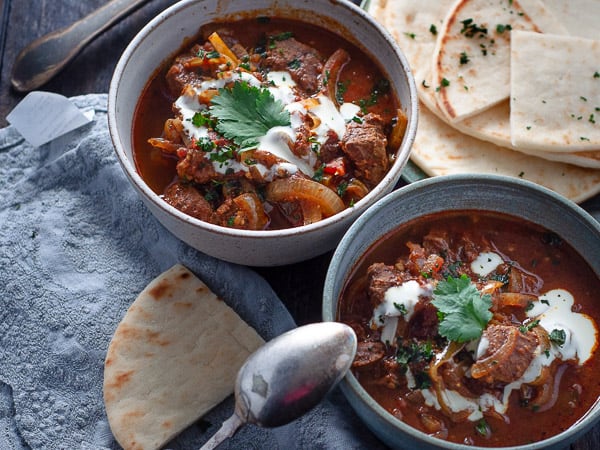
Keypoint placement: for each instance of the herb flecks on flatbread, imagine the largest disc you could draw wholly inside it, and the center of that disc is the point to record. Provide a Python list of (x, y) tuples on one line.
[(173, 357), (471, 60), (555, 92), (481, 143)]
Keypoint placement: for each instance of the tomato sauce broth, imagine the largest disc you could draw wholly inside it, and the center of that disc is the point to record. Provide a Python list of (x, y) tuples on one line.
[(535, 250), (155, 105)]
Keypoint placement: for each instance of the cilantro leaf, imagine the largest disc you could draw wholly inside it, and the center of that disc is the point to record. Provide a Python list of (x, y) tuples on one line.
[(462, 310), (244, 113)]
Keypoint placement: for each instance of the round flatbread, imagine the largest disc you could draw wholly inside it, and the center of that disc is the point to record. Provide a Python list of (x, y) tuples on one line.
[(440, 149), (471, 59), (174, 356)]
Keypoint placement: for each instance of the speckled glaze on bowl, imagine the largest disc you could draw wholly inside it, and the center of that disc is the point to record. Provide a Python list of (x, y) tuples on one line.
[(165, 34), (480, 192)]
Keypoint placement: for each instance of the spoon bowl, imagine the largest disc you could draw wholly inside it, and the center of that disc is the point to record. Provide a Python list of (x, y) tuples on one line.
[(288, 376)]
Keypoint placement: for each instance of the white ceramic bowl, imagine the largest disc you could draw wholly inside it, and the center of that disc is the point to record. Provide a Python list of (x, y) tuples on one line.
[(165, 34), (501, 194)]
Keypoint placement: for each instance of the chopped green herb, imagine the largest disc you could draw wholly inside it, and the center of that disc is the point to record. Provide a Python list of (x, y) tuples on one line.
[(596, 74), (282, 36), (482, 428), (592, 119), (203, 119), (221, 154), (342, 87), (433, 29), (464, 58), (341, 189), (294, 64), (463, 311), (244, 113), (400, 307), (212, 55), (502, 28), (443, 84), (583, 98), (410, 35), (205, 144), (470, 29), (529, 306), (528, 327), (414, 352), (558, 337), (318, 175)]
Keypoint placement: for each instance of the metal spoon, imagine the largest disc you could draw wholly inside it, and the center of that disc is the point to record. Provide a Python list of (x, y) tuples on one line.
[(288, 376), (46, 56)]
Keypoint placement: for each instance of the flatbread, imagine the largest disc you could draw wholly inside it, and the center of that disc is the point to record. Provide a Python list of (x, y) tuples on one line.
[(415, 25), (555, 92), (580, 17), (174, 356), (471, 59), (440, 149), (480, 143), (494, 125)]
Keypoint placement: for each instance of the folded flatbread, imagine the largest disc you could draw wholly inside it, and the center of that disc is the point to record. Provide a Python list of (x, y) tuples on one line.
[(471, 60), (440, 149), (174, 356), (555, 92), (480, 143)]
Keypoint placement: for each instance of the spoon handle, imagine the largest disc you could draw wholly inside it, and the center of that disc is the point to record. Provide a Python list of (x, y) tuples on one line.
[(46, 56), (228, 429)]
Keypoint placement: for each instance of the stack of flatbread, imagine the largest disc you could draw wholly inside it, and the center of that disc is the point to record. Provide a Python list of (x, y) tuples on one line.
[(506, 86)]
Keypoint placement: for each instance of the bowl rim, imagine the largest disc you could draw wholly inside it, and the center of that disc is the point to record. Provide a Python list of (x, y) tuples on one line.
[(390, 179), (350, 384)]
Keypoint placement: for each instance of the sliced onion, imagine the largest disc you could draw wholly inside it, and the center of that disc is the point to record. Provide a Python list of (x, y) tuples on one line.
[(311, 212), (438, 382), (164, 145), (295, 188), (331, 72), (548, 393), (515, 299), (398, 130), (252, 208)]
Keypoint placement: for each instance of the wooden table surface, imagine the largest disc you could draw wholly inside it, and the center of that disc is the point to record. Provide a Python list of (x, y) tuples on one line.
[(299, 285)]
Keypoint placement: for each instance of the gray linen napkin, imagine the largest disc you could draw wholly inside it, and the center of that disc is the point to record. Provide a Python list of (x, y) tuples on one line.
[(76, 247)]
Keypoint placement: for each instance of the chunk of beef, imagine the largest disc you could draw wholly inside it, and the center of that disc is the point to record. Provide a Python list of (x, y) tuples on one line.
[(365, 144), (424, 321), (195, 166), (189, 200), (382, 277), (508, 354), (436, 242), (330, 149), (522, 281), (368, 352), (303, 62), (180, 74)]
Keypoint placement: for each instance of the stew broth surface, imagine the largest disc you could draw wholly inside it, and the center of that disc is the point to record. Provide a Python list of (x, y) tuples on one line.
[(358, 80), (540, 259)]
